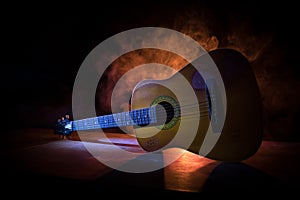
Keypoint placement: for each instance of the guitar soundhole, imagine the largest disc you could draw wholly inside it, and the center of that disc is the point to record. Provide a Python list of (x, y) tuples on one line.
[(168, 109), (167, 112)]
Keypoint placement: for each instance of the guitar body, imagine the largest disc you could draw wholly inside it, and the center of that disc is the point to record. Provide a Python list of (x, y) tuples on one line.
[(187, 110)]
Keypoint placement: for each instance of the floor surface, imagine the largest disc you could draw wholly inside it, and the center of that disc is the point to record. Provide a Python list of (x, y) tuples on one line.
[(36, 160)]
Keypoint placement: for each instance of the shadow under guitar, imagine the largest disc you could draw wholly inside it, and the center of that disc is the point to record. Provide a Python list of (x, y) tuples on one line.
[(237, 177)]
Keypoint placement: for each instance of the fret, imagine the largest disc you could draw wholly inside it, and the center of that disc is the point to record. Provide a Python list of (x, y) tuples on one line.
[(127, 118), (138, 117), (80, 125), (119, 119), (131, 121), (132, 116), (96, 124), (109, 121), (90, 123), (100, 120), (142, 117), (86, 124), (153, 115), (123, 119), (112, 122), (83, 124), (105, 122), (146, 115)]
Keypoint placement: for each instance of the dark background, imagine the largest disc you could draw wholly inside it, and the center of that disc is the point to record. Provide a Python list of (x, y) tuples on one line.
[(43, 46)]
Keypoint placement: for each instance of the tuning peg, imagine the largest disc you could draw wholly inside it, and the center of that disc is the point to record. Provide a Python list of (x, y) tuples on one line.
[(67, 116), (58, 120)]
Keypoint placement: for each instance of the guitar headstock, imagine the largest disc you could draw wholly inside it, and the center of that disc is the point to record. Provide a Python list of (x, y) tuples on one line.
[(63, 126)]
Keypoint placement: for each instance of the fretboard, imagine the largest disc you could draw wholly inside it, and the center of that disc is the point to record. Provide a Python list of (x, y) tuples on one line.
[(139, 117)]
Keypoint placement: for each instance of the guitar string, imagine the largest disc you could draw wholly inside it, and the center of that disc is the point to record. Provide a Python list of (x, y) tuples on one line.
[(170, 111), (202, 105), (186, 115)]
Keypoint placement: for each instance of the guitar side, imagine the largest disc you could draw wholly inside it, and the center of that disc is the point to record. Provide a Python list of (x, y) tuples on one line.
[(243, 127)]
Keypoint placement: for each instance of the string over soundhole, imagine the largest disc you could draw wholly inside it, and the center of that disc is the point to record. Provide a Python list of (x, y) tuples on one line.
[(167, 112)]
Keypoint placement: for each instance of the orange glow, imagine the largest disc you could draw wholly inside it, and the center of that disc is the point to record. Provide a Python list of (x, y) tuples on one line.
[(189, 167), (128, 61)]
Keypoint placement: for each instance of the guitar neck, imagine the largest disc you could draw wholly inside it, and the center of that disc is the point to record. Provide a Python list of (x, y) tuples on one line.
[(144, 116)]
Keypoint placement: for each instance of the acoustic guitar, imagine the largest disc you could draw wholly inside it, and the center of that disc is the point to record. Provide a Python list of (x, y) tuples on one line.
[(158, 115)]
